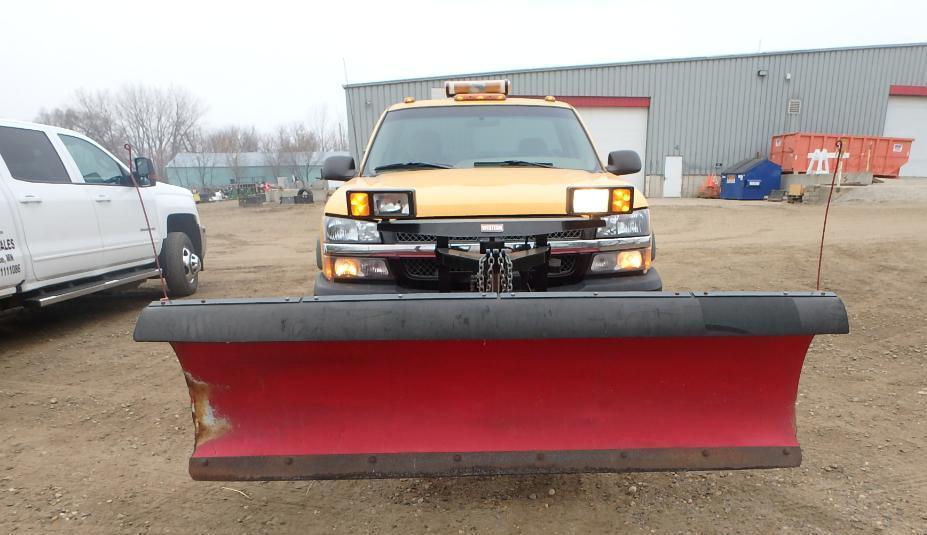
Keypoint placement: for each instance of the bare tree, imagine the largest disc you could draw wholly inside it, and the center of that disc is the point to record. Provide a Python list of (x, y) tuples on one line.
[(101, 122), (203, 164), (295, 144), (93, 115), (159, 122), (270, 147), (234, 138), (66, 117), (338, 138), (328, 134), (193, 170), (234, 141)]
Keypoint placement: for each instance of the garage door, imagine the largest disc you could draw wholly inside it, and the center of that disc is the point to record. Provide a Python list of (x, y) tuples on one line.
[(907, 117), (614, 128)]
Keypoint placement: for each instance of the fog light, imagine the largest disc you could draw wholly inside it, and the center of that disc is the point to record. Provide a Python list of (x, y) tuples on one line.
[(327, 267), (346, 267), (619, 261), (359, 268), (630, 260)]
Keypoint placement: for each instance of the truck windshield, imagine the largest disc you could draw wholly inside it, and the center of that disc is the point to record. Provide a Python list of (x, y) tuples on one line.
[(480, 136)]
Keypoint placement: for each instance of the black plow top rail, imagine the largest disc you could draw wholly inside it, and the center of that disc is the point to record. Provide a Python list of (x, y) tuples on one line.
[(461, 316)]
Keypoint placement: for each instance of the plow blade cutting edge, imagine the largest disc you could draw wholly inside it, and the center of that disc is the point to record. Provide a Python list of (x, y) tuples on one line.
[(465, 384)]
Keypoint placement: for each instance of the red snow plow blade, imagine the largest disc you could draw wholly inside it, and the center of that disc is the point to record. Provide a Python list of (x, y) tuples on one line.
[(461, 384)]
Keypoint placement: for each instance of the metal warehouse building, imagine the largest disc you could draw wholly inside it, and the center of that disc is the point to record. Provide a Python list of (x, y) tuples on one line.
[(689, 117)]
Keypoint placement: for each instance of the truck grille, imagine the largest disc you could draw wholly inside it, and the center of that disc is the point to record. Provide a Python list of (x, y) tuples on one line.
[(427, 268), (408, 237), (420, 268)]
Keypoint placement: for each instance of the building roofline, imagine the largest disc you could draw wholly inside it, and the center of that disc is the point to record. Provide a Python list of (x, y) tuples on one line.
[(631, 63)]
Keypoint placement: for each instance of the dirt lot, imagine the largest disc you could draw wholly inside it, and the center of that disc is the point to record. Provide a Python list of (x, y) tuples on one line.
[(95, 429)]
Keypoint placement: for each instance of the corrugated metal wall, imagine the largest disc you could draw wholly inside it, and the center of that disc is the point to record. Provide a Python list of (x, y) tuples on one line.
[(709, 110)]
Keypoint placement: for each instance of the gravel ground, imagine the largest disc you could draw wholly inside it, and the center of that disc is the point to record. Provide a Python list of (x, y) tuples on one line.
[(910, 190), (95, 429)]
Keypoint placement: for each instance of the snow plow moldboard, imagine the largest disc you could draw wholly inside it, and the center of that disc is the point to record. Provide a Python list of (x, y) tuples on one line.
[(466, 384)]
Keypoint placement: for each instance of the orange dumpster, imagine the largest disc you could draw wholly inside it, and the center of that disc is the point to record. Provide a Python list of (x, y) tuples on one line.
[(801, 152)]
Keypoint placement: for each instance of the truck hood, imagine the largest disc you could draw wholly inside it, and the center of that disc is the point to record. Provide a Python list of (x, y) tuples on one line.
[(486, 191), (163, 188)]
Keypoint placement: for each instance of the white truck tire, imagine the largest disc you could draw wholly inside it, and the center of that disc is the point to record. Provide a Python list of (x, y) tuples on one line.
[(180, 264)]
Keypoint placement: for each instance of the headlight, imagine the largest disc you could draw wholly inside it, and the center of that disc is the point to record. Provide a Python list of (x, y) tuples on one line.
[(340, 229), (636, 223), (590, 201), (388, 204), (392, 204), (596, 201)]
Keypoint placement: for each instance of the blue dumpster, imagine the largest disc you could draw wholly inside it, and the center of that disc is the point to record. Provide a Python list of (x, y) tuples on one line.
[(750, 180)]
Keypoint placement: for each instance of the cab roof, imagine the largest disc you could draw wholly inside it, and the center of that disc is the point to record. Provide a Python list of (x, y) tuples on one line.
[(449, 102)]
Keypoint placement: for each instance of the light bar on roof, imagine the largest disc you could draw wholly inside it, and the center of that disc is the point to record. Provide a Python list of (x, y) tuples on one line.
[(464, 87)]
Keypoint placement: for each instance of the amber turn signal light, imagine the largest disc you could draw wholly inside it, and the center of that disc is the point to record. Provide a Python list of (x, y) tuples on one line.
[(600, 201), (622, 200), (463, 87), (359, 203)]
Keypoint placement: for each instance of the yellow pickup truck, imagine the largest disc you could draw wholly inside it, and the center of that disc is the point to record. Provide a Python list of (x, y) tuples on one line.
[(487, 193)]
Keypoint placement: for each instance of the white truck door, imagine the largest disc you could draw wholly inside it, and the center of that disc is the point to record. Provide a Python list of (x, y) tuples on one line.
[(12, 271), (122, 222), (58, 221)]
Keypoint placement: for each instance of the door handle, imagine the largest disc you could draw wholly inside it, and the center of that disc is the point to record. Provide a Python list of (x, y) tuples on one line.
[(27, 199), (102, 198)]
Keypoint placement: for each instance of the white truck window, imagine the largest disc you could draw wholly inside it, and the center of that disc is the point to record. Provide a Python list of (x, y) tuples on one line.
[(30, 156), (95, 165)]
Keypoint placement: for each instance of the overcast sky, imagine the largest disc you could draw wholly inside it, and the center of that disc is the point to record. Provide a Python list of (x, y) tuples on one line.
[(269, 62)]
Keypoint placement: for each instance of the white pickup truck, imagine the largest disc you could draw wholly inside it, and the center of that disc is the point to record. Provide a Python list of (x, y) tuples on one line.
[(71, 222)]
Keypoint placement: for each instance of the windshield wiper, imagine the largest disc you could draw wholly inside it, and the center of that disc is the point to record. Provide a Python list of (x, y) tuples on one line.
[(410, 165), (513, 163)]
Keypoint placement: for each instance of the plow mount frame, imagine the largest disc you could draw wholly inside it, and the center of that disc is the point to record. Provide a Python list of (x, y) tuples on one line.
[(530, 261), (384, 386)]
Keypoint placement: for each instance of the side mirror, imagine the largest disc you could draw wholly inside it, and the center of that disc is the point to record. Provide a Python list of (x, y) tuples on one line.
[(338, 168), (623, 162), (144, 168)]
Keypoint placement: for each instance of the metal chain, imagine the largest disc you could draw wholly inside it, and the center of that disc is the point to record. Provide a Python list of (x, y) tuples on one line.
[(480, 279), (503, 272), (501, 278), (491, 261), (508, 271), (487, 269)]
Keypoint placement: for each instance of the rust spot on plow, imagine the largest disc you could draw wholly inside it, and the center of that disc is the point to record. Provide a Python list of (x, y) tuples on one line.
[(207, 423)]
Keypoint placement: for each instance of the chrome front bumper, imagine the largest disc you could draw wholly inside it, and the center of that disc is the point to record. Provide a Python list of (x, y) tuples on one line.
[(423, 249)]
